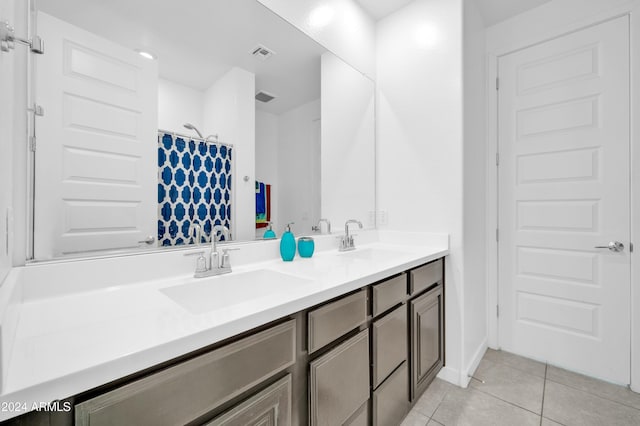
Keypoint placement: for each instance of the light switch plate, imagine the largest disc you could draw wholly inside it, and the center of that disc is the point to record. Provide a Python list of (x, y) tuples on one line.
[(371, 219), (383, 218)]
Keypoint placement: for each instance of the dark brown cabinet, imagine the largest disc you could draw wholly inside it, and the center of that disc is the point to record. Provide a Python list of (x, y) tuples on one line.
[(188, 390), (272, 407), (427, 351), (339, 383)]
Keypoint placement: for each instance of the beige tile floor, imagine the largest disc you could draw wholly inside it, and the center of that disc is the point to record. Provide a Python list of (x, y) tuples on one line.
[(518, 391)]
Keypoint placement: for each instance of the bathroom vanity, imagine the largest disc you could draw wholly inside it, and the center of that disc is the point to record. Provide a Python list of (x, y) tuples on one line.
[(356, 342), (251, 380)]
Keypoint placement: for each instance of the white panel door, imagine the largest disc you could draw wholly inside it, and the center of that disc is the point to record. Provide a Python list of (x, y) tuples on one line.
[(563, 190), (96, 171)]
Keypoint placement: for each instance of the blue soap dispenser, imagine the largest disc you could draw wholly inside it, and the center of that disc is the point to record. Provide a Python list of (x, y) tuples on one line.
[(269, 234), (288, 244)]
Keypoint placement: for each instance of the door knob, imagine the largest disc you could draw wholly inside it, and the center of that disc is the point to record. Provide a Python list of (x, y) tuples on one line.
[(149, 240), (616, 246)]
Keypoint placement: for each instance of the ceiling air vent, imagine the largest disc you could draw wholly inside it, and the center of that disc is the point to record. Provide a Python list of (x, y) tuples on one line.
[(262, 52), (265, 97)]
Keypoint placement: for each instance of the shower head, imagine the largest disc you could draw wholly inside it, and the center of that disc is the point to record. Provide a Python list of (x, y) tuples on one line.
[(192, 127)]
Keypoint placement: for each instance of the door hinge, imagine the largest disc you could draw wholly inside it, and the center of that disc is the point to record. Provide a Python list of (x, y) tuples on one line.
[(37, 110), (497, 83), (497, 159), (497, 235), (32, 143), (498, 311)]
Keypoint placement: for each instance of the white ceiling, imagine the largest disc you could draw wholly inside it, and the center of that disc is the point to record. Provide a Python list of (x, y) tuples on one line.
[(378, 9), (493, 11), (198, 43)]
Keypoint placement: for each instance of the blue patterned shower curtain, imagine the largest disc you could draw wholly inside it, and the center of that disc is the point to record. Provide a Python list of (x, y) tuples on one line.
[(194, 186)]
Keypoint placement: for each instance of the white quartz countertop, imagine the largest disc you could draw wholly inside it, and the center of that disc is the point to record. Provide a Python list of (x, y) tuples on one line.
[(67, 344)]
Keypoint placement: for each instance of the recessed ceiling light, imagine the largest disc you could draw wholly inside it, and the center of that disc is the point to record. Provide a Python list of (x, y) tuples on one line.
[(146, 54)]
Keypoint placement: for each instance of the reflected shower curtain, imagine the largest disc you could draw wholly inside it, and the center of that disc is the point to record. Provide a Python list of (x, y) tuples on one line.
[(194, 186)]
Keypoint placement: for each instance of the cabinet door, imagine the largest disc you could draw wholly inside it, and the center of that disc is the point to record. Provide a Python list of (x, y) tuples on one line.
[(426, 340), (272, 407), (339, 382)]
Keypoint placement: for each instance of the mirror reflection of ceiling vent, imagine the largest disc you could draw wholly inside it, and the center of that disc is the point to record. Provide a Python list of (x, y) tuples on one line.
[(262, 52), (265, 97)]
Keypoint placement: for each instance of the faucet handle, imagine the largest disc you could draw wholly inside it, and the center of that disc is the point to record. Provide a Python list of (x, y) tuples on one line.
[(226, 261), (201, 261)]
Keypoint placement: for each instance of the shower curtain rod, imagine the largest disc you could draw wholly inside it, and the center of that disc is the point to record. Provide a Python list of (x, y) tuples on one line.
[(208, 142)]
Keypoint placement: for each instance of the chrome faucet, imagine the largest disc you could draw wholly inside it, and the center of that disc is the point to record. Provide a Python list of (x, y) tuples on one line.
[(347, 243), (195, 227), (214, 262), (318, 227), (216, 266)]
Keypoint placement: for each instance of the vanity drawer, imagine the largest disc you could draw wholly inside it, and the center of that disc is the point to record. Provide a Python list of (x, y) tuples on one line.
[(339, 383), (182, 393), (389, 293), (335, 319), (271, 406), (391, 400), (389, 343), (425, 276)]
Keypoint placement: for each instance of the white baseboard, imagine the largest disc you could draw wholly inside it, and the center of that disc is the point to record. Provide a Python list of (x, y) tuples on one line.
[(450, 375), (475, 360)]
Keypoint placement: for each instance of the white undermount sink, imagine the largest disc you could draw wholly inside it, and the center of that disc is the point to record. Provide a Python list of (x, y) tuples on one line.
[(207, 294)]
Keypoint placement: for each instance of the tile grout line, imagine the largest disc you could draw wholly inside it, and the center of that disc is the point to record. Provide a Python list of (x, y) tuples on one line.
[(507, 402), (610, 399), (438, 406), (544, 389), (560, 383), (522, 370)]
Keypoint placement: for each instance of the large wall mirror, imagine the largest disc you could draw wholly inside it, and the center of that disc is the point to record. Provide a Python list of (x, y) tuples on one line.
[(166, 122)]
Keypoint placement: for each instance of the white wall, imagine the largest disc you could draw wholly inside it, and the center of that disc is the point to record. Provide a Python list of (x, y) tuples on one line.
[(419, 137), (296, 156), (560, 17), (348, 31), (474, 171), (348, 143), (267, 161), (177, 105), (229, 111)]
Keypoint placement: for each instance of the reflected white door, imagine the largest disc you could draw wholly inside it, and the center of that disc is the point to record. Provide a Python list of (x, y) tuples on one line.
[(563, 190), (96, 171)]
